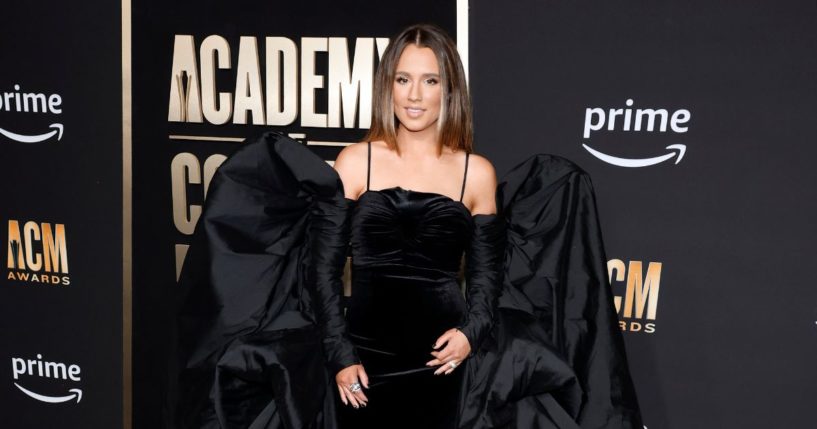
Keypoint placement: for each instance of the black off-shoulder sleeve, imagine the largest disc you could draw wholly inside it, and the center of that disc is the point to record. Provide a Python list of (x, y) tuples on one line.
[(483, 276), (328, 244)]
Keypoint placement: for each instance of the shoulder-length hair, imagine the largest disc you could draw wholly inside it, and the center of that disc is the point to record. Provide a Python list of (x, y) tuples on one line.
[(455, 124)]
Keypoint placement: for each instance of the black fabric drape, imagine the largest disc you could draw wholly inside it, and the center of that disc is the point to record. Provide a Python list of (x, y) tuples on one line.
[(555, 358), (260, 323), (260, 331)]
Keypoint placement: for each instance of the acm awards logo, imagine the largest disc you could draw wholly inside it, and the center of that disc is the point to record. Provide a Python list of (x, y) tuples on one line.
[(627, 119), (19, 101), (638, 307), (40, 376), (37, 253)]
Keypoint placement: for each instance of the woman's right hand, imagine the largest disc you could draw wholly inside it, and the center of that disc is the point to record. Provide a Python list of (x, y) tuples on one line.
[(346, 378)]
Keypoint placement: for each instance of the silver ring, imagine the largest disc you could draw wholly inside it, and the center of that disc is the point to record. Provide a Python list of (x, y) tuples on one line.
[(354, 387), (452, 364)]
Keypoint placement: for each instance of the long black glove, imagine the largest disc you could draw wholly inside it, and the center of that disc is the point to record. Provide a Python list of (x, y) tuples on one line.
[(328, 238), (483, 276)]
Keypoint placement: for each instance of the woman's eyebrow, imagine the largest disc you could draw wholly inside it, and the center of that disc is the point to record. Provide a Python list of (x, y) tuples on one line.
[(423, 75)]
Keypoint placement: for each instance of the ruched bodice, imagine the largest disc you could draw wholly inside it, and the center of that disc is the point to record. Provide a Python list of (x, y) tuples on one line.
[(409, 229)]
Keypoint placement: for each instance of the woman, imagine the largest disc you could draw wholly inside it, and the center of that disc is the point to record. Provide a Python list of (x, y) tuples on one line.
[(261, 338), (422, 198)]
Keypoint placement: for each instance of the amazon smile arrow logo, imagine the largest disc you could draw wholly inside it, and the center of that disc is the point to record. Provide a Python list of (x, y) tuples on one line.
[(44, 369), (35, 138), (639, 162), (27, 102), (52, 399), (627, 119)]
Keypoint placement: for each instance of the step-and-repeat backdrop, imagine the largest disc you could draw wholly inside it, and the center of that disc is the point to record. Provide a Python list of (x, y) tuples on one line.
[(61, 348), (693, 118)]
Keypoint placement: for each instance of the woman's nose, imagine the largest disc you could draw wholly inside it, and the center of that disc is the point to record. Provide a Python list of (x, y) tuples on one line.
[(414, 93)]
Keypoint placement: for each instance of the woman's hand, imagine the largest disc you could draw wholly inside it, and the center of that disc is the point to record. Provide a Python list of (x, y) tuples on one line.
[(455, 351), (348, 376)]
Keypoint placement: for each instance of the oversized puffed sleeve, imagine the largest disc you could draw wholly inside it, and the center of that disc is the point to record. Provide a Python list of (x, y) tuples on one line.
[(246, 347), (483, 276), (593, 342), (328, 239), (558, 355)]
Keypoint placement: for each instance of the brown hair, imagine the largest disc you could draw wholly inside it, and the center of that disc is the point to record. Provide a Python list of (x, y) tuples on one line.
[(455, 122)]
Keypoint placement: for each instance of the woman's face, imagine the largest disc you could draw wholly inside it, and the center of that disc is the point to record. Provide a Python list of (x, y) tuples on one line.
[(417, 89)]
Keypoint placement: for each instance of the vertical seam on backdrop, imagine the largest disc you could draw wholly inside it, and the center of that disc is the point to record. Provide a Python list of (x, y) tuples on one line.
[(127, 212), (462, 34)]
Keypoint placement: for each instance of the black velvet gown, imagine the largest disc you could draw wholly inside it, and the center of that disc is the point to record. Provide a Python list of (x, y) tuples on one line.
[(261, 331), (406, 249), (406, 254)]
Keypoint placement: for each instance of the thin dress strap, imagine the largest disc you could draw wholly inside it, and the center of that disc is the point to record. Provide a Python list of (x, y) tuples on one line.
[(464, 176), (369, 166)]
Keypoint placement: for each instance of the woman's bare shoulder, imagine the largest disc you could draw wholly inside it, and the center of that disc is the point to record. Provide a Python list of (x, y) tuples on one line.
[(481, 185), (482, 170), (351, 154), (351, 167)]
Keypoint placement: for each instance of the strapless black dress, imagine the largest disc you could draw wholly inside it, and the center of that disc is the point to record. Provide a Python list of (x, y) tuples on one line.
[(407, 247)]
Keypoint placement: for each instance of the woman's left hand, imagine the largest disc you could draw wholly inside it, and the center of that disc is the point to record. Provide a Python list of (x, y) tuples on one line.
[(455, 351)]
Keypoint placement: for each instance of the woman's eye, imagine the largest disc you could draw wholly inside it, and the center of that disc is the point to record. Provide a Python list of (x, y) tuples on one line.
[(401, 79), (432, 81)]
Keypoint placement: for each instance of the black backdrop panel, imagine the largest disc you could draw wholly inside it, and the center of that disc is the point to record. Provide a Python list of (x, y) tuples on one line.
[(176, 145), (732, 343), (60, 215), (708, 216)]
